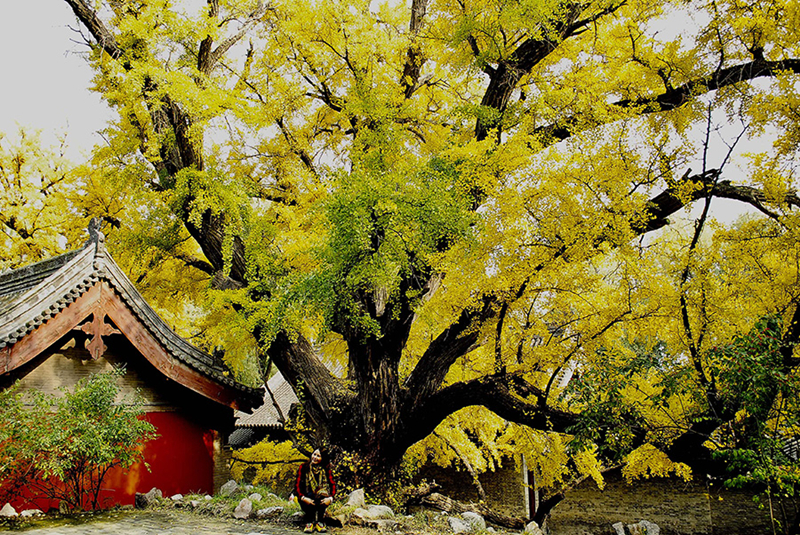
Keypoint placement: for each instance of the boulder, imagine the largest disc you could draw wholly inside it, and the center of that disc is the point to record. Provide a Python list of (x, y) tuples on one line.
[(475, 521), (31, 512), (269, 511), (384, 524), (644, 527), (652, 528), (374, 512), (142, 501), (8, 511), (231, 487), (356, 499), (244, 509), (533, 528), (176, 497), (339, 518), (255, 497), (458, 525), (619, 528), (195, 503)]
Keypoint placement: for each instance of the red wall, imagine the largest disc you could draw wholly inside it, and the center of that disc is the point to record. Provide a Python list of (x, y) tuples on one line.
[(181, 461)]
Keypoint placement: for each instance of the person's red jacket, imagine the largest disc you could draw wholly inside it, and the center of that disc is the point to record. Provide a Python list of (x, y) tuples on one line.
[(300, 485)]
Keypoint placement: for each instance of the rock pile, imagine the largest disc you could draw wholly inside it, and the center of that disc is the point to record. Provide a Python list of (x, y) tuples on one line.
[(9, 512)]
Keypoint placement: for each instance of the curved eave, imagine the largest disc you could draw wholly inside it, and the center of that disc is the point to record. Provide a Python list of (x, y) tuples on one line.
[(77, 286), (41, 302)]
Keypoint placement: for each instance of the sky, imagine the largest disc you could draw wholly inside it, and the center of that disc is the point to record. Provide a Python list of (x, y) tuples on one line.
[(44, 82)]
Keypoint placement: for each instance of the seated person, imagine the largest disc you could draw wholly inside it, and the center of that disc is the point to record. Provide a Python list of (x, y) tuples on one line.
[(315, 489)]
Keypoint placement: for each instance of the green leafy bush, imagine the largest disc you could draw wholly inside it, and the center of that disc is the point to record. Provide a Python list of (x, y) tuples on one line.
[(62, 447)]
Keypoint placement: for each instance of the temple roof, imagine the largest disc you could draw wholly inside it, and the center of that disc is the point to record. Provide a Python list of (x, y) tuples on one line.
[(279, 396), (34, 294)]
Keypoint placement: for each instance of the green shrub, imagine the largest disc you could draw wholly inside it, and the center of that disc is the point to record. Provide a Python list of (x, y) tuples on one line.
[(62, 447)]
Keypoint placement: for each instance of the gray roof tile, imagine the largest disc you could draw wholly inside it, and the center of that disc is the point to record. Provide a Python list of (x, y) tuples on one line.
[(267, 415)]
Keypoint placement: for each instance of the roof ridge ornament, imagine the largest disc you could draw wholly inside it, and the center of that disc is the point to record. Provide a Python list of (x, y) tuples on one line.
[(97, 238), (96, 235)]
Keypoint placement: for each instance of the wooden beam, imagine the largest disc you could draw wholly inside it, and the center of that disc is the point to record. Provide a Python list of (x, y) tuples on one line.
[(97, 329), (5, 356), (48, 333)]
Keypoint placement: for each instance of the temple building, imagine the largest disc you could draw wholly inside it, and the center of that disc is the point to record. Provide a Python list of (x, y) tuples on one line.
[(78, 314)]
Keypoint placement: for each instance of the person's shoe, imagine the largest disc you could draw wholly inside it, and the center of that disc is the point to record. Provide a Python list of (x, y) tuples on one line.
[(321, 527), (309, 528)]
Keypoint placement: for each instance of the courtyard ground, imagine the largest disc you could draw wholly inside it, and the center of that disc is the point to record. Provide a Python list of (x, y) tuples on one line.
[(181, 522)]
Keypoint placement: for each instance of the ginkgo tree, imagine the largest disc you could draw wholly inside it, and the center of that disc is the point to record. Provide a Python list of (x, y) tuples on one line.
[(38, 208), (463, 201)]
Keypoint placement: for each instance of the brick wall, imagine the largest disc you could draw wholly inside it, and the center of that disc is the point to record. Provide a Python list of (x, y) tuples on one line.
[(222, 463)]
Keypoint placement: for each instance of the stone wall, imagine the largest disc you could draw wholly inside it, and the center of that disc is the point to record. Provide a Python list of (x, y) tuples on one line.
[(677, 507)]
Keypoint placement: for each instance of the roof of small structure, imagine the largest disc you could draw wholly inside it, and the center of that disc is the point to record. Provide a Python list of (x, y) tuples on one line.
[(33, 295), (243, 437), (280, 393), (278, 399)]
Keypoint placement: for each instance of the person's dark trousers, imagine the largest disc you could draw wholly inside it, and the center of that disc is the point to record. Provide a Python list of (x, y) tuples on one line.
[(315, 512)]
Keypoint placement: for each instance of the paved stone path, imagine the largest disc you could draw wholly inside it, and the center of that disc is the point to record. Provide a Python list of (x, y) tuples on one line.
[(158, 523)]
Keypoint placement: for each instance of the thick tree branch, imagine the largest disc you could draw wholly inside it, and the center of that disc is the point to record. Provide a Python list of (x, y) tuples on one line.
[(501, 393), (505, 77), (313, 383), (204, 62), (414, 57), (453, 343), (13, 224), (104, 38), (177, 150), (754, 197), (197, 263), (228, 43), (424, 383), (462, 336), (679, 96), (301, 153), (675, 97)]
